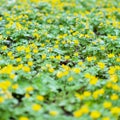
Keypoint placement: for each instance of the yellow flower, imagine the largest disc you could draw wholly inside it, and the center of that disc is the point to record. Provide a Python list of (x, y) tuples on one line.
[(20, 48), (107, 104), (76, 42), (118, 60), (89, 59), (115, 110), (111, 55), (26, 68), (60, 74), (40, 97), (36, 35), (116, 87), (102, 48), (70, 79), (101, 65), (67, 57), (30, 63), (43, 56), (51, 70), (93, 80), (105, 118), (76, 54), (0, 18), (35, 51), (15, 86), (28, 56), (80, 63), (76, 70), (53, 113), (85, 109), (114, 97), (23, 118), (12, 76), (1, 99), (36, 107), (79, 96), (9, 54), (77, 113), (87, 93), (5, 85), (87, 75), (18, 59), (27, 95), (58, 57), (29, 89), (4, 47), (114, 78), (97, 93), (95, 114), (52, 57)]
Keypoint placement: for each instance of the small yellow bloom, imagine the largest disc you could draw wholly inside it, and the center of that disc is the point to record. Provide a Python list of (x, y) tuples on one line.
[(115, 110), (107, 104), (89, 59), (23, 118), (29, 89), (67, 57), (12, 76), (93, 80), (77, 113), (40, 97), (30, 63), (79, 96), (4, 47), (53, 113), (87, 75), (70, 79), (58, 57), (43, 56), (118, 60), (101, 65), (18, 59), (26, 68), (15, 86), (35, 50), (105, 118), (114, 97), (1, 99), (80, 63), (27, 95), (111, 55), (76, 70), (60, 74), (51, 70), (85, 109), (36, 107), (28, 56), (0, 18), (95, 114), (87, 94), (102, 48)]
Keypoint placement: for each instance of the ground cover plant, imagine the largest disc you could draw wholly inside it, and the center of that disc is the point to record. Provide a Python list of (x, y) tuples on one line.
[(60, 60)]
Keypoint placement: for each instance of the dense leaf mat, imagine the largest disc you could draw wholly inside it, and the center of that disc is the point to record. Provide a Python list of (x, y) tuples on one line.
[(59, 60)]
